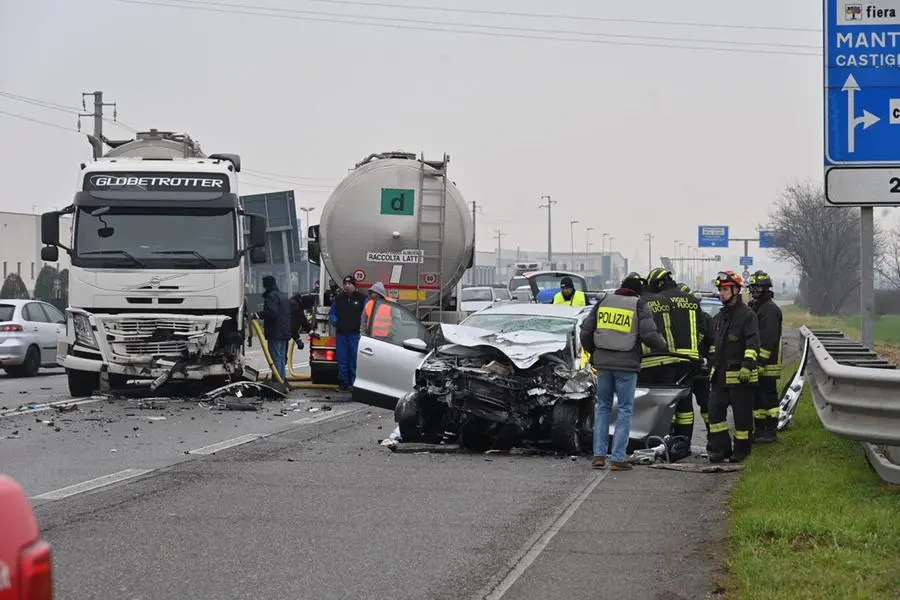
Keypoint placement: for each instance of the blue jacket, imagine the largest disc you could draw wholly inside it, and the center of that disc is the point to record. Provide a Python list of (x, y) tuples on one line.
[(276, 315)]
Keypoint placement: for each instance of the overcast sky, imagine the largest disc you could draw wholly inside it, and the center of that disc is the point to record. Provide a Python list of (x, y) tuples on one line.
[(628, 137)]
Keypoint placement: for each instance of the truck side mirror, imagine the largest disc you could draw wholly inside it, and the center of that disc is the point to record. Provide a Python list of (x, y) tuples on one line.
[(312, 232), (50, 228), (257, 231), (49, 254), (313, 252), (258, 256)]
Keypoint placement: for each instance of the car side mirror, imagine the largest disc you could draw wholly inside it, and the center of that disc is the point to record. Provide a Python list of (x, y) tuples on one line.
[(416, 345)]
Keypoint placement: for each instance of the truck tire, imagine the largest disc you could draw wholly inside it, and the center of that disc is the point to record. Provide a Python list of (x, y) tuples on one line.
[(82, 383)]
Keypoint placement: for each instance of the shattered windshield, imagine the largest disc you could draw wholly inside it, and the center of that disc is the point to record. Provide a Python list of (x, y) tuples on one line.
[(506, 323), (476, 295)]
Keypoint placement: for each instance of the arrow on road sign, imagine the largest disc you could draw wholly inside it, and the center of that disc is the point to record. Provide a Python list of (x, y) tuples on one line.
[(866, 120)]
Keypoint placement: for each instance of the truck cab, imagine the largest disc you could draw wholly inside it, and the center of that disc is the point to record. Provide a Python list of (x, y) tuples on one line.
[(158, 248)]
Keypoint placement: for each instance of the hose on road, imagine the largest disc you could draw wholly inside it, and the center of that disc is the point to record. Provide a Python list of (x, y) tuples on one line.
[(295, 381)]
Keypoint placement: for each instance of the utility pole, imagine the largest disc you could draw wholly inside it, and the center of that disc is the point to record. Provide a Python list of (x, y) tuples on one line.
[(649, 238), (549, 207), (498, 235), (97, 140), (572, 241), (587, 246)]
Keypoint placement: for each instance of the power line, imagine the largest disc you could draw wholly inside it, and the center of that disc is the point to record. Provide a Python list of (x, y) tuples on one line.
[(593, 34), (275, 180), (285, 176), (38, 121), (497, 34), (508, 13), (58, 107)]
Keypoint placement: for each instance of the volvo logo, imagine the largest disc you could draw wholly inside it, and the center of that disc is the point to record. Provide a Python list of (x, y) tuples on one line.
[(155, 281)]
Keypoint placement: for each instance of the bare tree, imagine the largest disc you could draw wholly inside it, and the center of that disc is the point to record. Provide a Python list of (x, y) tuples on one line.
[(889, 265), (820, 241)]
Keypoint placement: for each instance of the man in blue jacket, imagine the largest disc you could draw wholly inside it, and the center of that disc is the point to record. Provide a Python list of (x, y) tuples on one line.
[(346, 313)]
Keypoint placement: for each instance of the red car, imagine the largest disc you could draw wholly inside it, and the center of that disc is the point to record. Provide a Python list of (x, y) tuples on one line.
[(26, 567)]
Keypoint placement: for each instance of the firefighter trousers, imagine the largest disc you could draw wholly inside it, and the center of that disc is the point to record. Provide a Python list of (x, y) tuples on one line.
[(740, 398), (766, 405)]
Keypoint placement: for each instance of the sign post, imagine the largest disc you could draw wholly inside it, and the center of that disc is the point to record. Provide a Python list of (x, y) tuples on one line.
[(862, 122)]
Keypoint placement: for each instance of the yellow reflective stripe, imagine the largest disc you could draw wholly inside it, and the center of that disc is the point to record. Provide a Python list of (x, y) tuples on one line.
[(741, 435), (705, 417), (732, 377), (695, 339), (670, 339), (683, 418), (760, 413), (775, 412), (765, 354), (750, 354), (712, 349), (718, 427), (615, 319)]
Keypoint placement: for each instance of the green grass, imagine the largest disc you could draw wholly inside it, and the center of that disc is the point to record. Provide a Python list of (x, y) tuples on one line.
[(810, 519), (887, 327)]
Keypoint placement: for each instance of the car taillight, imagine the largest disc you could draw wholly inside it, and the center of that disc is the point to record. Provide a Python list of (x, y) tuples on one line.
[(11, 328), (36, 572)]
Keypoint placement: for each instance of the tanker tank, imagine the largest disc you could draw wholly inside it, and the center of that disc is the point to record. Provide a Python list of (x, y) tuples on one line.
[(398, 219), (155, 144)]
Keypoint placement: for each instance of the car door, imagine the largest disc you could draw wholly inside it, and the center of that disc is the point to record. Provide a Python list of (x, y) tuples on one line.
[(385, 370), (58, 320), (40, 331)]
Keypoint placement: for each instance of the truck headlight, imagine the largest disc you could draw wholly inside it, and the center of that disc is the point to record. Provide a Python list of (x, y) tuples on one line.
[(84, 333)]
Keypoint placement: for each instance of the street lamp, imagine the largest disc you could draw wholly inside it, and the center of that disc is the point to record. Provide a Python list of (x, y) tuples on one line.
[(303, 234), (587, 244), (572, 240), (612, 271), (549, 207)]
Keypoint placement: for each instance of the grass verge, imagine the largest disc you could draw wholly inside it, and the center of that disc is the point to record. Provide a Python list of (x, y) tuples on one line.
[(810, 519), (887, 328)]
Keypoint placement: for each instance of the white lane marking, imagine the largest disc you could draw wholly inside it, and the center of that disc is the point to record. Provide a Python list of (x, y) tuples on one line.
[(45, 406), (539, 541), (93, 484), (327, 416), (213, 448)]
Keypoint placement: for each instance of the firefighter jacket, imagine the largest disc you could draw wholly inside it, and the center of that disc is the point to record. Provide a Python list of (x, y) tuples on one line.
[(688, 325), (578, 299), (615, 329), (768, 315), (661, 307), (735, 345)]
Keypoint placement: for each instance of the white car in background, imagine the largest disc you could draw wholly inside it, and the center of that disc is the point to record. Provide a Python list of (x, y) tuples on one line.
[(29, 332), (473, 299)]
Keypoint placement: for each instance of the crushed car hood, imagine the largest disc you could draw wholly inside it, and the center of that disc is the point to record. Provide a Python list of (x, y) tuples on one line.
[(522, 348)]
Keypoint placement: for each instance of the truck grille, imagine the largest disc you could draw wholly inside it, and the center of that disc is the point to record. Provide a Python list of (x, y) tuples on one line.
[(151, 348), (150, 326)]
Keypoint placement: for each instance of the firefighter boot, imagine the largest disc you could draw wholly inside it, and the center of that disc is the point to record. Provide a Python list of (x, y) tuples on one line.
[(741, 450), (719, 447)]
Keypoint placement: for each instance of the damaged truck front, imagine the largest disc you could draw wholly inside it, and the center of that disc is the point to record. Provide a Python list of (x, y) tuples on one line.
[(158, 249), (499, 390)]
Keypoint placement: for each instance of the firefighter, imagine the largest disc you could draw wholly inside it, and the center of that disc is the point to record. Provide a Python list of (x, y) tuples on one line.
[(766, 410), (688, 330), (735, 350), (659, 369), (568, 295)]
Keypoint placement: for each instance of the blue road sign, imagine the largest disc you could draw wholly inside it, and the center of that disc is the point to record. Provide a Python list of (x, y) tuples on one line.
[(746, 261), (767, 238), (862, 82), (712, 236)]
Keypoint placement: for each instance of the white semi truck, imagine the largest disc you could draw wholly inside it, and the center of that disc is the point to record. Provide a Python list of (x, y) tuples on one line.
[(158, 247)]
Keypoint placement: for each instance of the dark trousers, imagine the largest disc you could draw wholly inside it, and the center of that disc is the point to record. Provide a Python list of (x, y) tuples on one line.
[(765, 407), (700, 391), (740, 398), (347, 346)]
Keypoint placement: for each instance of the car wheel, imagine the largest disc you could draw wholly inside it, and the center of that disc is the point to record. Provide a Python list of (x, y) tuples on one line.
[(565, 427), (406, 414), (32, 363), (475, 434), (82, 383)]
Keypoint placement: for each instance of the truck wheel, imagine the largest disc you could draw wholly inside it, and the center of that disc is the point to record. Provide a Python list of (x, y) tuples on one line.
[(82, 383), (565, 430), (322, 376)]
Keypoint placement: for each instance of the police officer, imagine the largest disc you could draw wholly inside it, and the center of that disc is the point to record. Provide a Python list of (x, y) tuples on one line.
[(766, 410), (735, 377), (688, 330), (568, 295), (659, 369)]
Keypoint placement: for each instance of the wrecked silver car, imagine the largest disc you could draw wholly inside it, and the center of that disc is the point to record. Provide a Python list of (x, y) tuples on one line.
[(513, 375)]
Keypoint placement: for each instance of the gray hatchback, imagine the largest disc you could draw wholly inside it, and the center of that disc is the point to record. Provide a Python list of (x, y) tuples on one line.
[(29, 332)]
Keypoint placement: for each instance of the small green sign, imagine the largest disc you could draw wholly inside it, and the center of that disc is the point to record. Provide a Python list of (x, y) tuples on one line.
[(397, 202)]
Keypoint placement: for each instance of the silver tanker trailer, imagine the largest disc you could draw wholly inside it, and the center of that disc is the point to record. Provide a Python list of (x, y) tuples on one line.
[(395, 218)]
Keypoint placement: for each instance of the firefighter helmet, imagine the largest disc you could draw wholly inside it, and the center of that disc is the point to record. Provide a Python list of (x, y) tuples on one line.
[(760, 279), (728, 278)]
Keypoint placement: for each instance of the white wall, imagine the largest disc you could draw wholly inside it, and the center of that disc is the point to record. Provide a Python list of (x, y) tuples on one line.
[(20, 245)]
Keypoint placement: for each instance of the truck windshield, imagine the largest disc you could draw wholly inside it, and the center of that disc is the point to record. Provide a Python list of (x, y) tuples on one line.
[(189, 238)]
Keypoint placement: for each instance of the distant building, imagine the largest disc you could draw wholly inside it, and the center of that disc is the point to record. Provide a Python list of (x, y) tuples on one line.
[(20, 246), (610, 265)]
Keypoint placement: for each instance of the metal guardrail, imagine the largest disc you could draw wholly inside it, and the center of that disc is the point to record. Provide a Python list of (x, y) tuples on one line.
[(857, 396)]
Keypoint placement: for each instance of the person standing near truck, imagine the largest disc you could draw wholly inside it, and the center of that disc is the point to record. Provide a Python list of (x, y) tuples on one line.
[(276, 318), (346, 315)]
